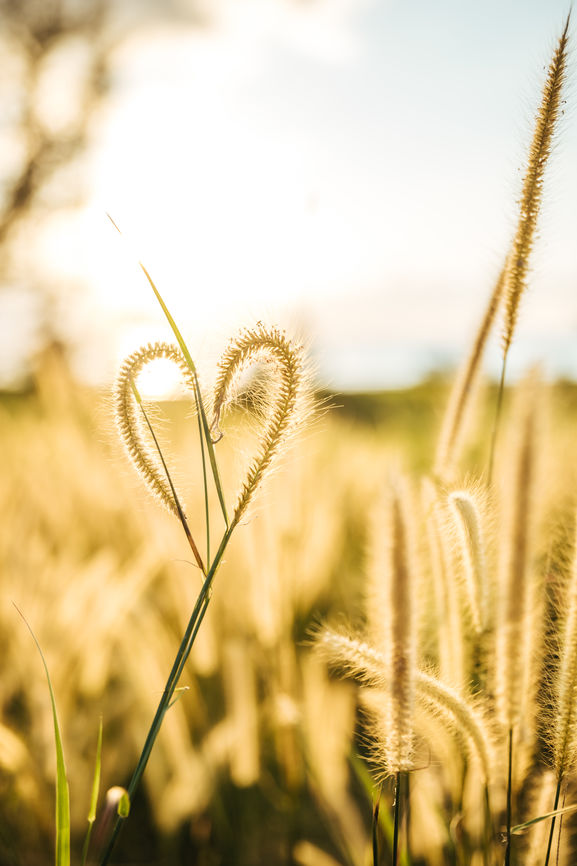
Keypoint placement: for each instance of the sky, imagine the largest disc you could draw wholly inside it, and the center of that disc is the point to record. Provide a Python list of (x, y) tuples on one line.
[(347, 169)]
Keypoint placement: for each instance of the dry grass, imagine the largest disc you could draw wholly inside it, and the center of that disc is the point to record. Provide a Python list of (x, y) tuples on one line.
[(464, 655)]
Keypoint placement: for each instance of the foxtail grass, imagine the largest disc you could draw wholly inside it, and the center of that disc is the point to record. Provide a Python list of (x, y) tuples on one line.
[(137, 434), (517, 268), (454, 426)]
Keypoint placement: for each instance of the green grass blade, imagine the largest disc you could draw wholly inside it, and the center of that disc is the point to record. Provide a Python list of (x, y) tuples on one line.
[(385, 818), (179, 692), (94, 795), (123, 808), (186, 644), (520, 828), (181, 514), (198, 396), (200, 404), (205, 490), (62, 792)]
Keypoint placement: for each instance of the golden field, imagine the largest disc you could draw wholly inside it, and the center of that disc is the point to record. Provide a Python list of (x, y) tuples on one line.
[(258, 761)]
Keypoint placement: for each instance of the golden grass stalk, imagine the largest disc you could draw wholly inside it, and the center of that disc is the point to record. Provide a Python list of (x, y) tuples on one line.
[(514, 650), (463, 716), (565, 729), (129, 419), (358, 659), (565, 721), (532, 192), (531, 195), (392, 622), (286, 403), (512, 280), (448, 620), (458, 408), (467, 515), (540, 805)]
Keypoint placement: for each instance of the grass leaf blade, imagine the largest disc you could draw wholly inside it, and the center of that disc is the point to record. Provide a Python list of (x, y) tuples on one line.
[(181, 515), (520, 828), (190, 362), (192, 367), (94, 795), (62, 792)]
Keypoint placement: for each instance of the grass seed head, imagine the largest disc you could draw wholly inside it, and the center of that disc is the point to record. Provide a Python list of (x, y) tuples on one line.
[(129, 419), (285, 404)]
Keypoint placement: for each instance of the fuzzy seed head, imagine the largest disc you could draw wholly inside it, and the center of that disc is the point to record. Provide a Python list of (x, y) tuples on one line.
[(532, 192), (467, 516), (514, 650), (286, 402), (565, 725), (129, 419), (392, 623)]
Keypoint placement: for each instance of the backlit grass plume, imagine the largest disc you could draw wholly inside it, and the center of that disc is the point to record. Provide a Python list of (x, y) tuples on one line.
[(454, 424), (516, 580), (532, 192), (392, 623), (564, 717), (130, 423), (287, 397), (284, 405), (517, 267), (565, 742), (360, 660), (472, 546), (512, 280)]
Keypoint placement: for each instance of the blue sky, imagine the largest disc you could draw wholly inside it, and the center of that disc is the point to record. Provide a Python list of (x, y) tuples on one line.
[(347, 168)]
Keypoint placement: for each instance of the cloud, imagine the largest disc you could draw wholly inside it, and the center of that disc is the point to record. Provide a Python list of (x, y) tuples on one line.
[(325, 30)]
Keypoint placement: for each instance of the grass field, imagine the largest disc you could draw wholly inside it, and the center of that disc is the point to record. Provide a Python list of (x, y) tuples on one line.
[(259, 759), (387, 668)]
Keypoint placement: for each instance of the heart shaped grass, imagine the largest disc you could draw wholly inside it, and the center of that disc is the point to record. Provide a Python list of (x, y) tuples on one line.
[(283, 407)]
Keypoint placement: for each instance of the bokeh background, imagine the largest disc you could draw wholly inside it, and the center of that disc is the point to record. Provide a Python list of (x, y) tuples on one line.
[(348, 167), (348, 170)]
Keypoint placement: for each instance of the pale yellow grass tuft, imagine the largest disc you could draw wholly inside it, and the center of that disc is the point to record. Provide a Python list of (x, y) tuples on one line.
[(285, 404), (532, 192), (130, 422)]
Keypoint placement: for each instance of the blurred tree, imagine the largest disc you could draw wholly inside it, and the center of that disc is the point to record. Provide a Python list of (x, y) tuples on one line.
[(57, 60), (60, 62), (58, 68)]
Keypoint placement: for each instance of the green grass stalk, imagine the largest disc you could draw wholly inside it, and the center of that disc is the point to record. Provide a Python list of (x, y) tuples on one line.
[(179, 509), (530, 205), (62, 847), (552, 829), (397, 819), (94, 796), (375, 827), (509, 798), (497, 420), (180, 660)]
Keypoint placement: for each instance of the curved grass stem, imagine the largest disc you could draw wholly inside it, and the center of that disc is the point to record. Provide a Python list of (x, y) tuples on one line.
[(509, 799), (497, 419), (171, 683), (376, 808), (397, 819), (552, 829)]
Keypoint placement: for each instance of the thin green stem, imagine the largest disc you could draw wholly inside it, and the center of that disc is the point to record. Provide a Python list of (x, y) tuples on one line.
[(509, 798), (205, 485), (197, 394), (181, 514), (552, 830), (497, 420), (488, 832), (397, 816), (177, 668), (376, 808), (407, 799)]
